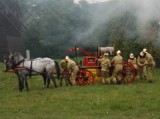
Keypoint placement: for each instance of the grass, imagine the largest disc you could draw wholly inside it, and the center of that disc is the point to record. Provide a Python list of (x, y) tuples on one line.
[(139, 100)]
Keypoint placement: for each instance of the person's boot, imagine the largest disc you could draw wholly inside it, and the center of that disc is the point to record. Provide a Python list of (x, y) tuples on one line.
[(119, 82), (150, 81)]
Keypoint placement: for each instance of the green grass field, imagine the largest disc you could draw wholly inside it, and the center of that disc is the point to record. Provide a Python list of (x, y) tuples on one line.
[(139, 100)]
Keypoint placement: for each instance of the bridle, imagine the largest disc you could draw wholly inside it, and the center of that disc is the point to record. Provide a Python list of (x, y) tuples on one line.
[(18, 63), (14, 64)]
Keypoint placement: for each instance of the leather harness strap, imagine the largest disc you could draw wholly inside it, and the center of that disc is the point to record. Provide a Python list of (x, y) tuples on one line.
[(30, 70), (15, 65)]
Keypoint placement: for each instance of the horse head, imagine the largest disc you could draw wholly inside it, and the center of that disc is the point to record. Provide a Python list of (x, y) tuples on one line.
[(13, 60)]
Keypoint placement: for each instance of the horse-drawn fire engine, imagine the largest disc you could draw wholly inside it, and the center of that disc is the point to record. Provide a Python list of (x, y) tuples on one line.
[(89, 73), (90, 70)]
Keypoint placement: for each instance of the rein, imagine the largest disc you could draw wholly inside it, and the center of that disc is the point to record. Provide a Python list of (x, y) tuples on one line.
[(22, 68), (30, 69), (16, 68)]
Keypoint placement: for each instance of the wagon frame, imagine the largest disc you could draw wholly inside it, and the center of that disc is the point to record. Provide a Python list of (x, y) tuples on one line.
[(90, 70)]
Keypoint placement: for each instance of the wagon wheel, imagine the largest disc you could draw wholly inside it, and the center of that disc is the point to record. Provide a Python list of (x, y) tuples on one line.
[(128, 73), (85, 77)]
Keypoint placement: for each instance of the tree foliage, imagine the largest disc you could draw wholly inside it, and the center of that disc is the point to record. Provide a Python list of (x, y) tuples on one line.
[(54, 26)]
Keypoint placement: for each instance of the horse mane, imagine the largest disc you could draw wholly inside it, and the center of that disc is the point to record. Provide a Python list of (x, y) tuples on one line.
[(18, 54)]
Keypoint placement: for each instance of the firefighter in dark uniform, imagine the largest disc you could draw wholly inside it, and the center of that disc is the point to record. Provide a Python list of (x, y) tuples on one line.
[(150, 64), (105, 64), (117, 63)]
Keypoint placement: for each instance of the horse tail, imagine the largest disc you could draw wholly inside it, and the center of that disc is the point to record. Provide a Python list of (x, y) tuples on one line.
[(57, 69)]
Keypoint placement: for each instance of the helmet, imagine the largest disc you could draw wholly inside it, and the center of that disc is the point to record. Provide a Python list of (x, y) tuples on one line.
[(144, 50), (131, 55), (118, 52), (142, 53), (67, 57), (105, 54)]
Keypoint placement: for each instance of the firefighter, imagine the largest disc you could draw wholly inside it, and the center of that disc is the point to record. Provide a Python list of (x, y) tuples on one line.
[(72, 68), (117, 63), (132, 59), (141, 61), (105, 64), (150, 64), (63, 65)]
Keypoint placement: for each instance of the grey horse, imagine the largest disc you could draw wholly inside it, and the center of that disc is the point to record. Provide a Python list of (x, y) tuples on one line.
[(39, 66)]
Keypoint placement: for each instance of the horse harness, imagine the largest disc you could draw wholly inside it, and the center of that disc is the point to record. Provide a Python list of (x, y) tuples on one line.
[(22, 68)]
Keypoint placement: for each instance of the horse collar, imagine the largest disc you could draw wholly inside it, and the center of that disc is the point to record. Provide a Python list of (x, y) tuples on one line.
[(15, 65)]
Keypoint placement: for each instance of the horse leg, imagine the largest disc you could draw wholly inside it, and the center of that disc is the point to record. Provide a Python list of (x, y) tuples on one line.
[(48, 81), (54, 81), (24, 80), (26, 83), (20, 80), (44, 78), (21, 83)]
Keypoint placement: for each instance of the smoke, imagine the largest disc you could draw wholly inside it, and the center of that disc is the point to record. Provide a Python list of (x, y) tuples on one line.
[(144, 12), (59, 23)]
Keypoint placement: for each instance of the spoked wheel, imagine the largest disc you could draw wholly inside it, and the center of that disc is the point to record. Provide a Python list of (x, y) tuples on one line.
[(85, 77), (128, 73)]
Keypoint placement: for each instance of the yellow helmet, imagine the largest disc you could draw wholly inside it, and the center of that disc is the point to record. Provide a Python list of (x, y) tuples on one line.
[(144, 50), (67, 58), (118, 52), (131, 55), (105, 54)]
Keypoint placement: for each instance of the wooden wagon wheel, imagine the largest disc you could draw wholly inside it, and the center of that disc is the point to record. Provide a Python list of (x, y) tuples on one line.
[(85, 77), (128, 73)]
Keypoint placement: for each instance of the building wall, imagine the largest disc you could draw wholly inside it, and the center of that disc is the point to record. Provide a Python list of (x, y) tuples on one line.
[(10, 36), (3, 34)]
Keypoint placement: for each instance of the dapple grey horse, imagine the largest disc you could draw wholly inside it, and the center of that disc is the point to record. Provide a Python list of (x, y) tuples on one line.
[(38, 66)]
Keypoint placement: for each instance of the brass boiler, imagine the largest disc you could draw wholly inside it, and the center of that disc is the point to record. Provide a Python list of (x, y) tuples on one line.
[(102, 50)]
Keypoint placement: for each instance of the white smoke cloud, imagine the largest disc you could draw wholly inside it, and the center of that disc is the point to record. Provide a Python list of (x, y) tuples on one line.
[(90, 1), (144, 11)]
